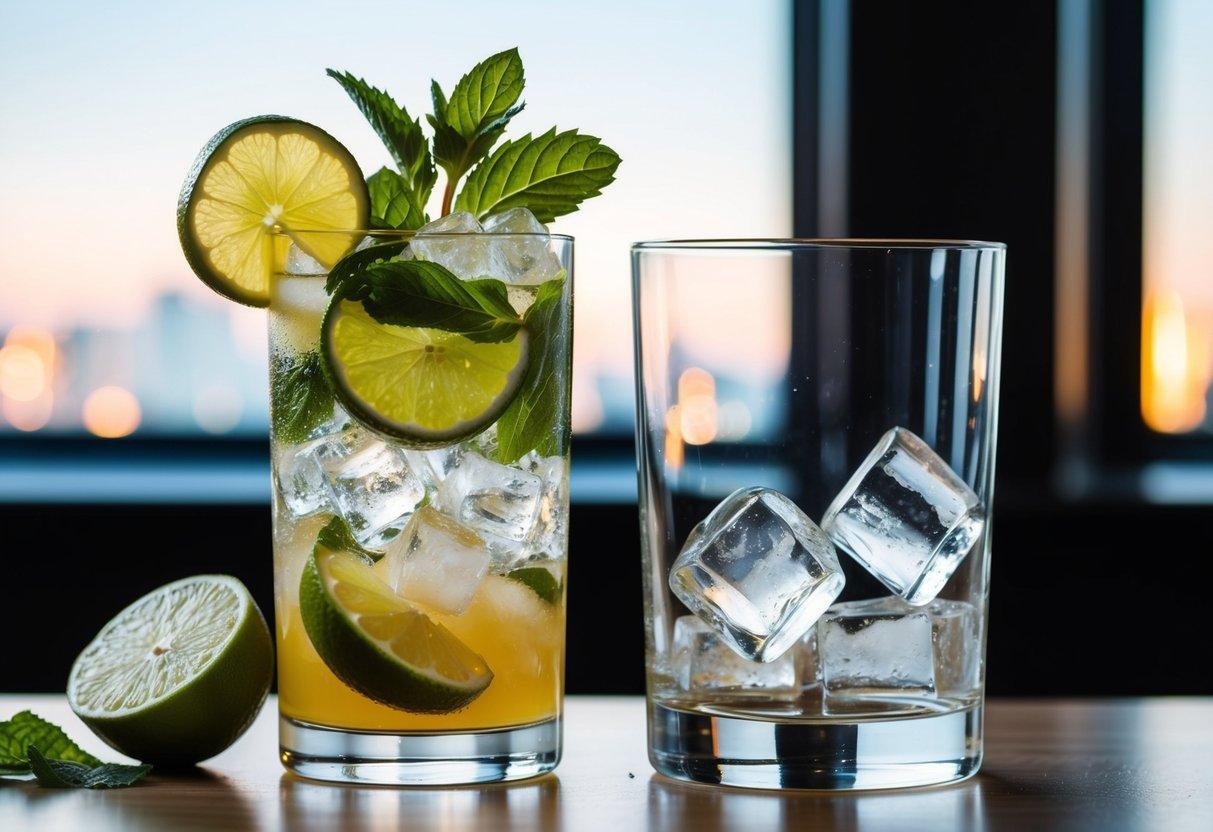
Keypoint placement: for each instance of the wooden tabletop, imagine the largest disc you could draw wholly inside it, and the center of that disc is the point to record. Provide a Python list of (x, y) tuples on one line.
[(1142, 764)]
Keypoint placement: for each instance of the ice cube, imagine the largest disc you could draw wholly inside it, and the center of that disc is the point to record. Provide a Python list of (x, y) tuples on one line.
[(435, 562), (498, 502), (906, 517), (464, 253), (759, 571), (525, 259), (551, 532), (300, 481), (371, 484), (432, 467), (957, 647), (704, 663), (875, 650)]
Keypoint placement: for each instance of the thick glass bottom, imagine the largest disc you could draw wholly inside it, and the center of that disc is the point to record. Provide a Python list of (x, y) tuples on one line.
[(836, 754), (422, 759)]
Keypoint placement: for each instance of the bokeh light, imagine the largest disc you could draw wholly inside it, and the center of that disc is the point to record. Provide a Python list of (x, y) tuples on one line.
[(111, 412)]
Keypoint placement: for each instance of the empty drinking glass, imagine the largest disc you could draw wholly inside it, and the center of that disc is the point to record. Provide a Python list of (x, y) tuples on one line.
[(816, 440)]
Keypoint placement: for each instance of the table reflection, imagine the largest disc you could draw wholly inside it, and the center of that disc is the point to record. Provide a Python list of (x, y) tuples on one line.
[(674, 806), (530, 805)]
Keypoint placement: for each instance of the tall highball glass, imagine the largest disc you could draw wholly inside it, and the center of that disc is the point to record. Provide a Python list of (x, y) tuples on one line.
[(816, 436), (420, 588)]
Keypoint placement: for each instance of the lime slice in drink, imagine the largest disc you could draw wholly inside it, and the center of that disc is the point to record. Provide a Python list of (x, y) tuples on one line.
[(381, 645), (262, 175), (425, 387), (178, 675)]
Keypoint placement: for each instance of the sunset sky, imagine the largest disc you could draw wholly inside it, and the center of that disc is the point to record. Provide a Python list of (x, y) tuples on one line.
[(106, 105)]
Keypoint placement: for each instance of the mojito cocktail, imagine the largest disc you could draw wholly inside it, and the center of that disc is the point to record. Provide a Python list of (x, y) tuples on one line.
[(420, 340)]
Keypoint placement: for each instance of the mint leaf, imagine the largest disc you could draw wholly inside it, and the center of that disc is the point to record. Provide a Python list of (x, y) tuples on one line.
[(300, 397), (532, 420), (469, 123), (400, 133), (485, 98), (421, 293), (542, 582), (550, 174), (393, 202), (66, 774), (356, 262), (337, 537), (26, 729)]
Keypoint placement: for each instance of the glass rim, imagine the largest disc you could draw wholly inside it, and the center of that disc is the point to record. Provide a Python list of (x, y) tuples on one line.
[(815, 243), (400, 233)]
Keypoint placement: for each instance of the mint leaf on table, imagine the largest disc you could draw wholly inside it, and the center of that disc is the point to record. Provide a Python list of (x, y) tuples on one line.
[(531, 420), (301, 399), (400, 133), (550, 174), (68, 774), (394, 203), (351, 267), (26, 729), (421, 293), (337, 537), (469, 123)]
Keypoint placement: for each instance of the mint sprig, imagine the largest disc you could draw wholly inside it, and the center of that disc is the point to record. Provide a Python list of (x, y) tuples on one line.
[(551, 174), (337, 537), (26, 729), (421, 293), (531, 422), (67, 774), (356, 262), (300, 397), (394, 203), (400, 133)]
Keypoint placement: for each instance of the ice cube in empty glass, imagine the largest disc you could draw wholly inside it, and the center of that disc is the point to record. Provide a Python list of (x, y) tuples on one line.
[(906, 517), (759, 571)]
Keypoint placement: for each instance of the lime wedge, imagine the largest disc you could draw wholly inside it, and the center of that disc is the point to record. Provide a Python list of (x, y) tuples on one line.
[(381, 645), (261, 175), (178, 675), (425, 387)]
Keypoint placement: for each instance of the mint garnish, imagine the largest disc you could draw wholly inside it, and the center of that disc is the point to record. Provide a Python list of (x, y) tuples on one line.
[(300, 397), (531, 420), (26, 729), (67, 774), (542, 582), (337, 537), (550, 174), (421, 293), (356, 262), (400, 133), (394, 204)]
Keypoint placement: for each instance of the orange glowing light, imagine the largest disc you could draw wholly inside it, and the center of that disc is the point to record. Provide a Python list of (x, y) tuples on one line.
[(27, 362), (1174, 365), (697, 406), (675, 453), (28, 415), (111, 412)]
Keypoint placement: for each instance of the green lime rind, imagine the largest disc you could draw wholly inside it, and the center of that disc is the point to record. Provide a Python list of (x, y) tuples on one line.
[(541, 581), (201, 717), (360, 663), (196, 254), (411, 435)]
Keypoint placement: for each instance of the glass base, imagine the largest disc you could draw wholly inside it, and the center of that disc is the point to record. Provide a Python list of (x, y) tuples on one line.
[(827, 755), (422, 759)]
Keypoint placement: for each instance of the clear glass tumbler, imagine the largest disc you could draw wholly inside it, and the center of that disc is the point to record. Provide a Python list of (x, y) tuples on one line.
[(450, 559), (815, 439)]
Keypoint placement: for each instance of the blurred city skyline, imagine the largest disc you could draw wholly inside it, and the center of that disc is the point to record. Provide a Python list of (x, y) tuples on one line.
[(93, 160)]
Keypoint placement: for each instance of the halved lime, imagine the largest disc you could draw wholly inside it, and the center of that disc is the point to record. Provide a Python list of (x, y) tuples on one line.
[(381, 645), (178, 675), (261, 175), (425, 387)]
